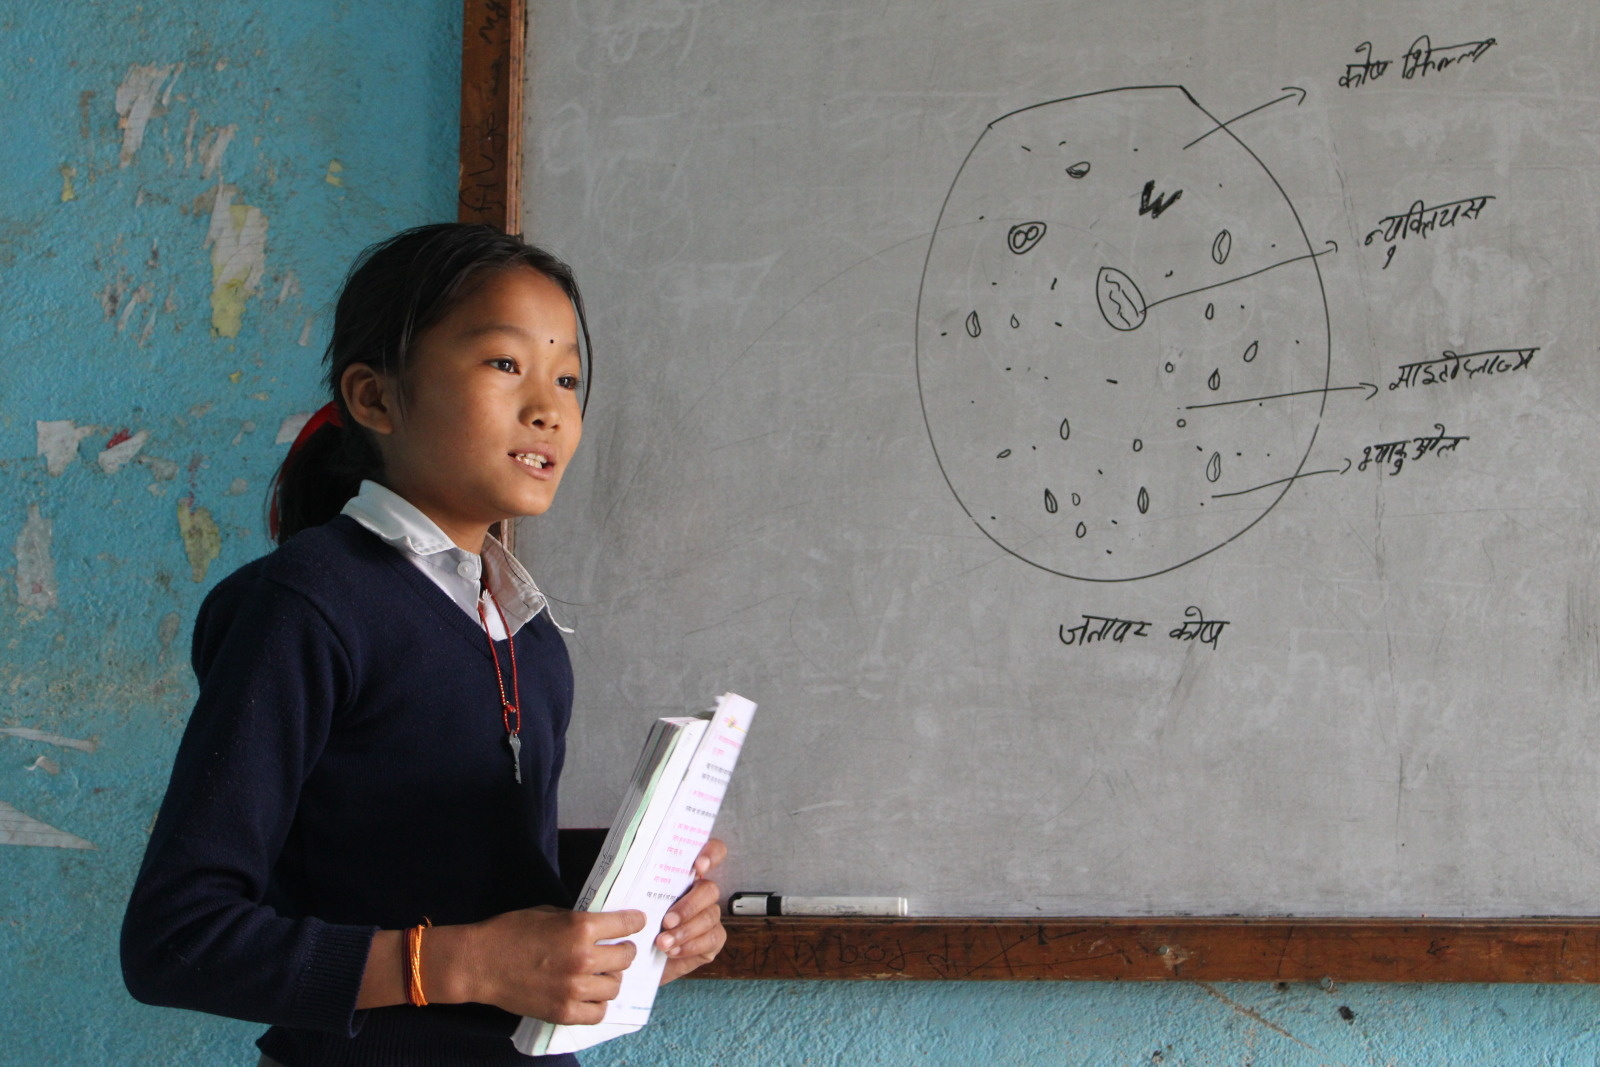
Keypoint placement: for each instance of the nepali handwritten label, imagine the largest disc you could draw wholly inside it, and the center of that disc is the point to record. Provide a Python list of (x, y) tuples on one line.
[(1110, 629)]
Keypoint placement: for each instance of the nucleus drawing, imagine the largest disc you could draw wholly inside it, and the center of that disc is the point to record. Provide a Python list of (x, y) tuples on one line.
[(1122, 335)]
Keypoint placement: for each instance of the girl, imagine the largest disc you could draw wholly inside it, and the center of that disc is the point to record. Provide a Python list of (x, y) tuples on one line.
[(361, 819)]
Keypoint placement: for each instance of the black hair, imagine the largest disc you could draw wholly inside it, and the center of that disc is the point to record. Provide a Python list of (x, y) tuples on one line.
[(394, 292)]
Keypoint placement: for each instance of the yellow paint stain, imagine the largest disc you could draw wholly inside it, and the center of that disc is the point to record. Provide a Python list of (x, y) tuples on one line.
[(202, 541), (227, 307), (335, 168), (67, 191), (237, 239), (236, 377)]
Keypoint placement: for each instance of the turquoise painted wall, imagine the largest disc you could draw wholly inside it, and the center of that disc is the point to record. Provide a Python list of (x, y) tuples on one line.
[(184, 184)]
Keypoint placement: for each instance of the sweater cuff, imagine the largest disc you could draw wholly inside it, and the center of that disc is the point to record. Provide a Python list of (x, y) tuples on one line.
[(330, 980)]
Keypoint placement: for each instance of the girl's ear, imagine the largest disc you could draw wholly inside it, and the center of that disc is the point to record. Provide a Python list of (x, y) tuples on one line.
[(369, 396)]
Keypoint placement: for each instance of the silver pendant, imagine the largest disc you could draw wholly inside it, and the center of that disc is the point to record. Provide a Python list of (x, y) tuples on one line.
[(516, 755)]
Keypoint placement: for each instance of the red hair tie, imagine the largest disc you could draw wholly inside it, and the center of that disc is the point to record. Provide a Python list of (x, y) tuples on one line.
[(326, 415)]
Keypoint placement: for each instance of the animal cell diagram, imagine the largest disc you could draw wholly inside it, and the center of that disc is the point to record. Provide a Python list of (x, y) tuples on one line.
[(1122, 335)]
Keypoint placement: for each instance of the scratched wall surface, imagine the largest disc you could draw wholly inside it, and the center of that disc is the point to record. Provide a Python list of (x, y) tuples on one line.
[(183, 186), (1098, 1024)]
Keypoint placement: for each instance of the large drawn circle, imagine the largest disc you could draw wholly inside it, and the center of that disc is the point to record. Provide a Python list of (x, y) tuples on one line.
[(1193, 387)]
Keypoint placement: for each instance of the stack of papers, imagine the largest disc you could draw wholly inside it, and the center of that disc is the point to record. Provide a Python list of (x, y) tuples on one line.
[(647, 861)]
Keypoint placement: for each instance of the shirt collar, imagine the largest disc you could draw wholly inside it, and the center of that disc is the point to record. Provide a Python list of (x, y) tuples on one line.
[(398, 522)]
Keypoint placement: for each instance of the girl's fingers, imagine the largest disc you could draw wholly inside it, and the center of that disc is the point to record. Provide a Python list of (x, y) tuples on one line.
[(704, 946), (681, 940), (593, 988), (701, 895), (710, 856)]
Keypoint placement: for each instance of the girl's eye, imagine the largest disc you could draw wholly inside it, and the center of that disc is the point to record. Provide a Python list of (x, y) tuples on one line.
[(505, 363), (568, 381)]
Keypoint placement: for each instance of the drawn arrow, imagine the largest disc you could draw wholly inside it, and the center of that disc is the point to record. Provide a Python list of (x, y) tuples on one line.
[(1372, 391), (1280, 481), (1252, 274), (1289, 94)]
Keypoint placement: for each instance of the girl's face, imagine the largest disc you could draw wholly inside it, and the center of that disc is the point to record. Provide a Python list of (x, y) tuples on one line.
[(489, 419)]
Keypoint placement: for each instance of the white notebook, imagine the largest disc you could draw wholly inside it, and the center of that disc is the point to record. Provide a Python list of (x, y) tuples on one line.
[(647, 861)]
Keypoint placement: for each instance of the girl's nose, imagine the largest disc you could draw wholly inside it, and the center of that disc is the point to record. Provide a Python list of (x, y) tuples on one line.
[(541, 408)]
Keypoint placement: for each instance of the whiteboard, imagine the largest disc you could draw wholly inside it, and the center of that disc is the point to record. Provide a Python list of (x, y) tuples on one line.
[(1139, 457)]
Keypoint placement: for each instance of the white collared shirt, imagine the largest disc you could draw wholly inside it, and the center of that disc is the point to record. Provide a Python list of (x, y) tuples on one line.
[(466, 577)]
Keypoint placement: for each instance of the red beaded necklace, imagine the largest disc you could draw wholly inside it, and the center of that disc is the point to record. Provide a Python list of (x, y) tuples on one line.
[(510, 710)]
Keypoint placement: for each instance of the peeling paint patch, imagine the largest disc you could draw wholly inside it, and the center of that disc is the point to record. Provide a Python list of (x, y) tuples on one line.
[(238, 487), (28, 734), (140, 98), (305, 333), (135, 298), (164, 469), (167, 632), (19, 829), (36, 569), (121, 450), (111, 296), (237, 238), (290, 428), (335, 169), (45, 764), (289, 288), (67, 191), (188, 138), (202, 541), (85, 98), (212, 145), (58, 443)]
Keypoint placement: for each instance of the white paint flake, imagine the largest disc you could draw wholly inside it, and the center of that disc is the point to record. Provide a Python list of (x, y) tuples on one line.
[(19, 829), (140, 98), (36, 569), (212, 145), (188, 138), (290, 428), (164, 469), (58, 443), (135, 298), (29, 734), (45, 764), (119, 455)]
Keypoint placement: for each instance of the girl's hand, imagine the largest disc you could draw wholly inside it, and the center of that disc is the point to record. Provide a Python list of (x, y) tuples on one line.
[(692, 934), (544, 962)]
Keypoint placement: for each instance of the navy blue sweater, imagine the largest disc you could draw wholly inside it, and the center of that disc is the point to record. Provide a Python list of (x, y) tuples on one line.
[(345, 770)]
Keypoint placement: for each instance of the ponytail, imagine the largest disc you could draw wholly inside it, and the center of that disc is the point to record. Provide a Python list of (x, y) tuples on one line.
[(322, 471), (396, 290)]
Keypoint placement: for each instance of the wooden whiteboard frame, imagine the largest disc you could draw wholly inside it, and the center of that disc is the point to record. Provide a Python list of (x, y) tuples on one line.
[(493, 43)]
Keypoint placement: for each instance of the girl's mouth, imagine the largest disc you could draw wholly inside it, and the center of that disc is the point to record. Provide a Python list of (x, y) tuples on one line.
[(537, 460)]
